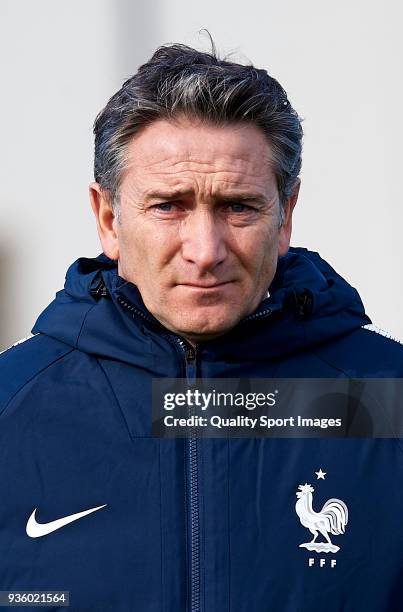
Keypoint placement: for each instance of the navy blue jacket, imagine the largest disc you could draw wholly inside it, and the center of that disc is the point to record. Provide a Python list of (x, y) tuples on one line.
[(185, 525)]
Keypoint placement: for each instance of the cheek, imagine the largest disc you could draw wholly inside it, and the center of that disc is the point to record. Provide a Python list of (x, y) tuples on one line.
[(146, 249), (128, 240), (258, 249), (271, 250), (132, 260)]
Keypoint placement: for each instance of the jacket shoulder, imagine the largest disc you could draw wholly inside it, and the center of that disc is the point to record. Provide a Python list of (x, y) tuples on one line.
[(366, 352), (25, 360)]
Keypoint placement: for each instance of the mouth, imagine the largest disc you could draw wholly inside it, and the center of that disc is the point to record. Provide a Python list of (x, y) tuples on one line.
[(205, 287)]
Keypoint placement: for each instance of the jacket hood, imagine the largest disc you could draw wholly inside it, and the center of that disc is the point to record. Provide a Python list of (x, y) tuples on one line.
[(100, 313)]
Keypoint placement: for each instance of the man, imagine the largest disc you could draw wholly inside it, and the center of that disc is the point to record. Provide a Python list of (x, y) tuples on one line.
[(196, 178)]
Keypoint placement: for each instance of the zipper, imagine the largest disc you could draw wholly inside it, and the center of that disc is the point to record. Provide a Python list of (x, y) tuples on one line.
[(190, 355), (258, 315), (193, 484), (135, 311)]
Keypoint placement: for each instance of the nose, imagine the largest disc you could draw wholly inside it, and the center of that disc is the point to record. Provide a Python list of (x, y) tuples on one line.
[(203, 241)]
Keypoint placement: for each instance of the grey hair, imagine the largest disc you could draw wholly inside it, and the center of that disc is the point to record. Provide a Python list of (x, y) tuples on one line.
[(180, 80)]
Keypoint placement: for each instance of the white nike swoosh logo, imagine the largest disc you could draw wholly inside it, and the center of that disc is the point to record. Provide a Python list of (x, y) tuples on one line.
[(37, 530)]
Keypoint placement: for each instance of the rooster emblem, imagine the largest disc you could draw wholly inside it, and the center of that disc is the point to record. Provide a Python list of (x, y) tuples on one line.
[(332, 519)]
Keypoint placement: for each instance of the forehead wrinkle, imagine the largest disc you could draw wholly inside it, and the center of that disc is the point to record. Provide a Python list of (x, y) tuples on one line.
[(210, 190), (222, 176), (175, 169), (164, 142), (205, 168), (188, 159), (213, 185)]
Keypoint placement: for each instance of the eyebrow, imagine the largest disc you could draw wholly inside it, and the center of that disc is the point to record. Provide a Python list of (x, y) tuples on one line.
[(229, 197), (243, 197), (165, 195)]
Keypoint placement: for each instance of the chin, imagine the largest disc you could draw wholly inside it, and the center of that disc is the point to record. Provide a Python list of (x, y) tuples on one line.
[(202, 327)]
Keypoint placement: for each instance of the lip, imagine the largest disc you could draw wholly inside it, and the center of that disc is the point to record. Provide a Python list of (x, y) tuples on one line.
[(197, 286)]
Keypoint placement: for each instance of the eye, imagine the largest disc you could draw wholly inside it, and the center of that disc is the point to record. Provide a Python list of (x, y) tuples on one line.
[(166, 209), (238, 207), (164, 206)]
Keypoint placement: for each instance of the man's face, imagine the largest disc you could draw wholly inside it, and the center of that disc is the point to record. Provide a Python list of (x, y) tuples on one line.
[(199, 225)]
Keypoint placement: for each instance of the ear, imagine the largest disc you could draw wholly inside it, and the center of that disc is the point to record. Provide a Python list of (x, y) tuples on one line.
[(286, 228), (106, 221)]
